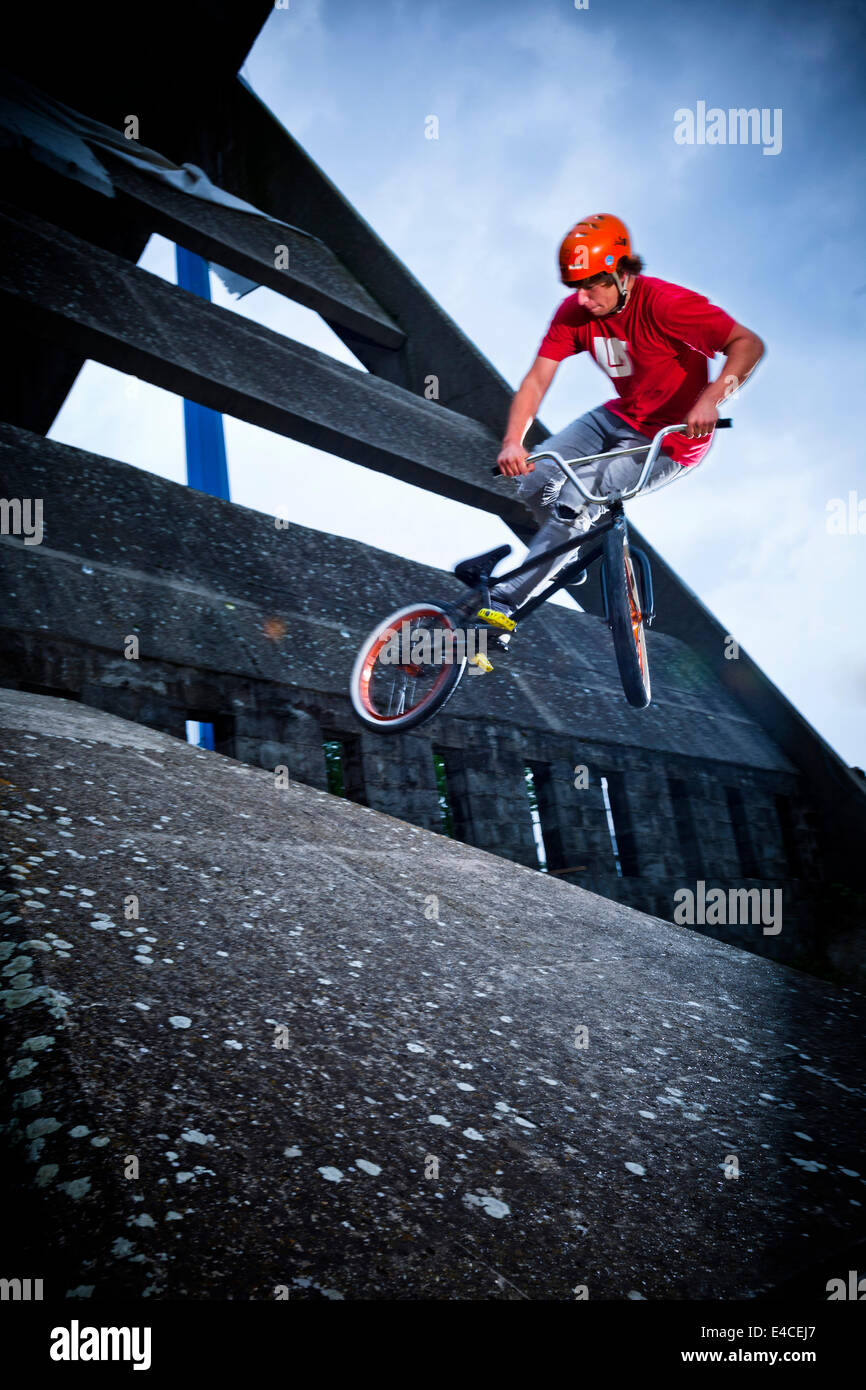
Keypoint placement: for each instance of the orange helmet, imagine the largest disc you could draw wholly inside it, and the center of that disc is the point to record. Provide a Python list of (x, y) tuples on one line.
[(593, 247)]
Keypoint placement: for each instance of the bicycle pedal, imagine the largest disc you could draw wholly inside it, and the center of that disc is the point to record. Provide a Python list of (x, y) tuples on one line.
[(480, 660), (494, 618)]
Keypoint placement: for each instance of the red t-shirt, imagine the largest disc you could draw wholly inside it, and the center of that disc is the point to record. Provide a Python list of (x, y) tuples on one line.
[(656, 352)]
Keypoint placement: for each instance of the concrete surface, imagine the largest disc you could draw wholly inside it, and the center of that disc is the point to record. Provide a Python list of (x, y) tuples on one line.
[(430, 1129)]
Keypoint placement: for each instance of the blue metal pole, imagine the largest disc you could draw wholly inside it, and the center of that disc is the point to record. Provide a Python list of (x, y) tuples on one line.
[(206, 467)]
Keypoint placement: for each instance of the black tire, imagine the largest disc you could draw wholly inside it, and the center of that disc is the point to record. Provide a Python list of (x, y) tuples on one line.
[(367, 670), (625, 616)]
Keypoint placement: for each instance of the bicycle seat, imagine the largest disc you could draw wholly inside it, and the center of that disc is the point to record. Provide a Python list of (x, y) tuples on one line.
[(470, 571)]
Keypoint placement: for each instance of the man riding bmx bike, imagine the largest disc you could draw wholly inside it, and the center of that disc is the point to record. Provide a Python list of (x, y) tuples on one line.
[(654, 340)]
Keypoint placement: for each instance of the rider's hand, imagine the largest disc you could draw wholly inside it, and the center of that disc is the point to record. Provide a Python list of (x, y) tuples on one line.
[(701, 419), (512, 460)]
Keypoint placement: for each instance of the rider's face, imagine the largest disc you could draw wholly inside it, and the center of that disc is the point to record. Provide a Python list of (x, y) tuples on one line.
[(598, 299)]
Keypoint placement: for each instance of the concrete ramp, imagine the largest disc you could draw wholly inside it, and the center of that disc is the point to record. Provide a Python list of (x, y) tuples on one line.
[(337, 1056)]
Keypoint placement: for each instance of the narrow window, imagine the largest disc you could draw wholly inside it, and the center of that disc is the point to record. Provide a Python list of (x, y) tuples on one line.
[(611, 828), (619, 816), (451, 782), (549, 815), (333, 750), (684, 821), (537, 834), (446, 815), (785, 813), (743, 839), (200, 733), (343, 766), (210, 729)]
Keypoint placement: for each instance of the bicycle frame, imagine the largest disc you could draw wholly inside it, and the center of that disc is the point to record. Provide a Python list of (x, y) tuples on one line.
[(613, 501), (569, 572)]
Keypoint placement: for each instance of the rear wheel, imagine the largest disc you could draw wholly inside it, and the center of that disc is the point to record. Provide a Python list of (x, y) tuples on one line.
[(407, 668), (624, 613)]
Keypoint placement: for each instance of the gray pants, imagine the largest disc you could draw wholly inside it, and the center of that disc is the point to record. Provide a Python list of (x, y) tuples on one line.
[(557, 505)]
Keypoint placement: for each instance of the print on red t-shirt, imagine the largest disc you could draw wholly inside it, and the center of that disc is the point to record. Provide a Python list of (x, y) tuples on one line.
[(656, 353)]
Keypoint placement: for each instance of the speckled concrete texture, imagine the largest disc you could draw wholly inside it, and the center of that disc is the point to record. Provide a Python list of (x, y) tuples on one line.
[(338, 1056)]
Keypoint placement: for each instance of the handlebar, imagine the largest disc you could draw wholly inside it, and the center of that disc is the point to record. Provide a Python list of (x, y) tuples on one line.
[(652, 455)]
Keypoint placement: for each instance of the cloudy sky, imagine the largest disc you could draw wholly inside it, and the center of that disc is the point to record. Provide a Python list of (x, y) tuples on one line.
[(547, 112)]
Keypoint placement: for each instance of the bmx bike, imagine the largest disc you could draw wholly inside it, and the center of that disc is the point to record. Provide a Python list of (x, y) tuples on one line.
[(412, 662)]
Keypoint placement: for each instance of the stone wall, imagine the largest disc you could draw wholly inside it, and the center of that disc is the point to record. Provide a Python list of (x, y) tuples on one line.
[(255, 628)]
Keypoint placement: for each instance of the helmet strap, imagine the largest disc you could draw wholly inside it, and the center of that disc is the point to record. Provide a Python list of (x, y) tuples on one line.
[(620, 285)]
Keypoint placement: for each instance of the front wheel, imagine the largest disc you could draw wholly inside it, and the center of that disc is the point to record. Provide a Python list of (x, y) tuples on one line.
[(624, 613), (407, 668)]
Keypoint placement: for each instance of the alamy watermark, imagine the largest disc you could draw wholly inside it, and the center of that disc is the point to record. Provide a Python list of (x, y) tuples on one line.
[(846, 518), (22, 516), (419, 646), (736, 126), (21, 1290), (854, 1288), (77, 1343), (737, 906)]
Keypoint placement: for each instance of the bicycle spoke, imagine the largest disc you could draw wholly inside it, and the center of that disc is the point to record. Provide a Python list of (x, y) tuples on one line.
[(401, 702)]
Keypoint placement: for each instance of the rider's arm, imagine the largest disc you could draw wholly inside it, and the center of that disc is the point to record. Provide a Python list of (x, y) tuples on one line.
[(744, 351), (524, 409)]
